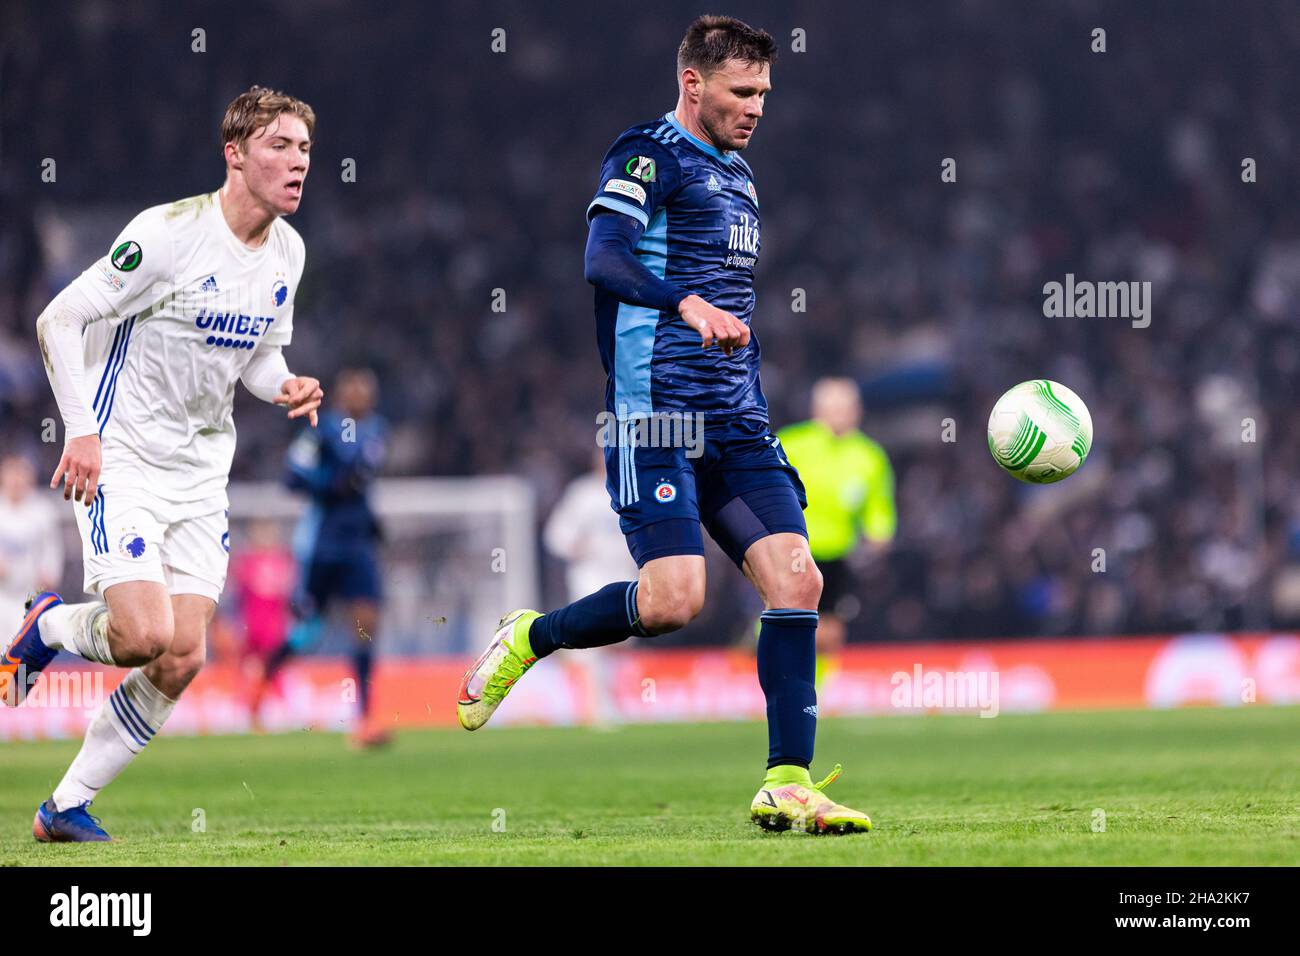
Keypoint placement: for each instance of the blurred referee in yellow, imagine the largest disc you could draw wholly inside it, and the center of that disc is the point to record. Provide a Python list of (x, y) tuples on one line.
[(850, 487)]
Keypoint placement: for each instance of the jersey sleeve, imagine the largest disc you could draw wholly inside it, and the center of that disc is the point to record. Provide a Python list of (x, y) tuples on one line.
[(137, 271), (636, 177)]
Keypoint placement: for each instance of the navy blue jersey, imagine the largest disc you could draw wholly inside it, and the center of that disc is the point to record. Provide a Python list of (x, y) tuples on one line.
[(336, 465), (700, 211)]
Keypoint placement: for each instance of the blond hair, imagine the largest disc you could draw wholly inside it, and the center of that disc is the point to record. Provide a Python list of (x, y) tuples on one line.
[(252, 110)]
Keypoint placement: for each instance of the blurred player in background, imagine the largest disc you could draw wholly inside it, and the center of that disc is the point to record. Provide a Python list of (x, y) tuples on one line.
[(337, 541), (265, 574), (143, 351), (672, 242), (585, 534), (850, 487), (31, 541)]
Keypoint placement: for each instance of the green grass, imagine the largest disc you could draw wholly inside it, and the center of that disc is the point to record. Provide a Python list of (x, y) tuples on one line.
[(1196, 786)]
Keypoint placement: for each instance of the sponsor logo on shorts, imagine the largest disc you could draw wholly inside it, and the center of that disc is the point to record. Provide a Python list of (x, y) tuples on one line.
[(665, 492), (626, 188), (131, 544), (127, 256)]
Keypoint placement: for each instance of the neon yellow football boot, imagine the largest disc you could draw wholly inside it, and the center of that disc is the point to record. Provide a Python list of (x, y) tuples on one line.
[(506, 659), (789, 800)]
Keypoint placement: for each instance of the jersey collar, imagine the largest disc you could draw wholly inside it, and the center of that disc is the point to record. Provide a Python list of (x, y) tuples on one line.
[(725, 155)]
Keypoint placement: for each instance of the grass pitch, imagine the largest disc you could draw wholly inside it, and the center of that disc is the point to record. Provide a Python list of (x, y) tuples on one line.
[(1193, 787)]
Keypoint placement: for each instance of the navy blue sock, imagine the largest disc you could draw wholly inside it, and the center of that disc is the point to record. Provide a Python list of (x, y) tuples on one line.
[(787, 665), (606, 617), (361, 664)]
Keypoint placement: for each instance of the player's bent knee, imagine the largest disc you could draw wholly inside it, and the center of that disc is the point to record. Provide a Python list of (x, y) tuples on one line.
[(662, 617), (140, 641), (802, 590)]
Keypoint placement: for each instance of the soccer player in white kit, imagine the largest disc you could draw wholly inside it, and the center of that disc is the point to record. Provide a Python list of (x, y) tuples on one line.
[(143, 351)]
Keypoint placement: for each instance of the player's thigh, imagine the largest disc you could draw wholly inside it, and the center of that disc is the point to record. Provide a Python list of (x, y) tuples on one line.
[(783, 571), (358, 582), (141, 624), (751, 492), (653, 490)]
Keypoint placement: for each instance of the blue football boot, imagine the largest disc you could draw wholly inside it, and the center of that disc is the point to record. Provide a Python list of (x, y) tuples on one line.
[(26, 656), (74, 825)]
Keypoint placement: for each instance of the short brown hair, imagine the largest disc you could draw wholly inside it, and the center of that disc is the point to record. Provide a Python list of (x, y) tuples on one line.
[(252, 110), (711, 41)]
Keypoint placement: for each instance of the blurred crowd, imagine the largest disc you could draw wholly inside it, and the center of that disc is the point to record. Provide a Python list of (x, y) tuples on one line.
[(453, 264)]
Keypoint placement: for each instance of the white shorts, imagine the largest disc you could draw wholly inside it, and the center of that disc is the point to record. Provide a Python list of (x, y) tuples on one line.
[(131, 535)]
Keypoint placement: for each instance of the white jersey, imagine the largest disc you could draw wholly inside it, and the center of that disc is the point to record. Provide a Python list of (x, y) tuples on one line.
[(188, 305)]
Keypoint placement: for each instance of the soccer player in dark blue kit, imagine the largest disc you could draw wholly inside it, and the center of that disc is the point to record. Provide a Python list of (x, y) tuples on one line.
[(337, 541), (674, 235)]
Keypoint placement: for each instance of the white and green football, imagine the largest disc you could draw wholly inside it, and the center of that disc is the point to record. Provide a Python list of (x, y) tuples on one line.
[(1040, 432)]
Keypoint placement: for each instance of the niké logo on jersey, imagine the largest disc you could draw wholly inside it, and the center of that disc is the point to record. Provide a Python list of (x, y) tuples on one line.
[(743, 237)]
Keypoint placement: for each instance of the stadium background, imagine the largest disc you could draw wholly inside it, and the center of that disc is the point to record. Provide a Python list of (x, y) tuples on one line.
[(473, 169)]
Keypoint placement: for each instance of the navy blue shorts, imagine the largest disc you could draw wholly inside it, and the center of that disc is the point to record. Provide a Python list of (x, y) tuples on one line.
[(735, 482), (350, 575)]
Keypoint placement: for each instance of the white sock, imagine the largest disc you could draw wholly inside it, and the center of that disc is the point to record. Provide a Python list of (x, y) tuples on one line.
[(124, 724), (81, 629)]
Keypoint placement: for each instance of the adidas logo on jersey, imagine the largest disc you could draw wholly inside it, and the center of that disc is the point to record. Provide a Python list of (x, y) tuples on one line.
[(209, 284)]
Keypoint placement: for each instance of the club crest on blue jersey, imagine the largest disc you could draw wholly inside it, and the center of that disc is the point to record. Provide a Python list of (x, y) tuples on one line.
[(665, 492), (753, 193), (131, 545)]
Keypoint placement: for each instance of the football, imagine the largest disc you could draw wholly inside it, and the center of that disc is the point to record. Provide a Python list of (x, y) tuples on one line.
[(1040, 432)]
